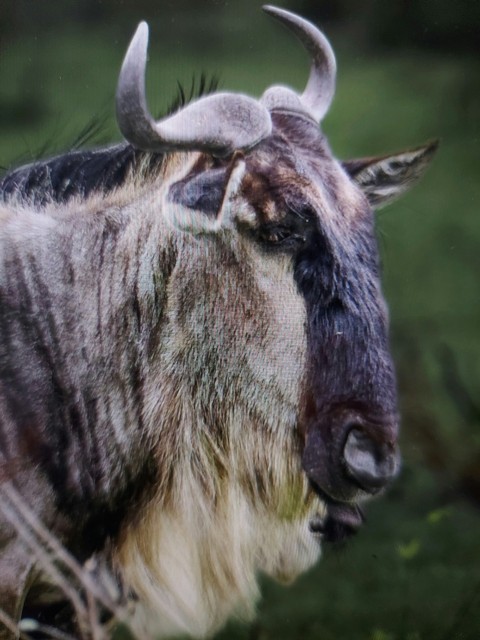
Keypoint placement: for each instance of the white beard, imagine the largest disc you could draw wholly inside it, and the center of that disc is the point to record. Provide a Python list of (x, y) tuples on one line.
[(193, 570)]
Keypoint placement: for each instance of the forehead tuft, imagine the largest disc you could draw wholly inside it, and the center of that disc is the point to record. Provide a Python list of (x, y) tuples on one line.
[(257, 190), (294, 167)]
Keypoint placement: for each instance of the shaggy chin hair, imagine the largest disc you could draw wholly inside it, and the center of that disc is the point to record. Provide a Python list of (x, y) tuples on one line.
[(194, 562)]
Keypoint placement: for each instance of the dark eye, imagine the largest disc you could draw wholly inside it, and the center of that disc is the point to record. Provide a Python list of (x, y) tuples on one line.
[(285, 236), (291, 231)]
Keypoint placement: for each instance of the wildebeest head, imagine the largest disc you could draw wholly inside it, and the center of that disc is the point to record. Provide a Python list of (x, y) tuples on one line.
[(245, 334), (299, 226)]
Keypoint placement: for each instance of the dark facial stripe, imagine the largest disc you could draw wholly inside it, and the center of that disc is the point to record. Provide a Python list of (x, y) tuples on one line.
[(347, 329)]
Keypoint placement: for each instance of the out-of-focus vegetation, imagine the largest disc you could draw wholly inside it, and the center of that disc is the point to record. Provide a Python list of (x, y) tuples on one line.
[(407, 74)]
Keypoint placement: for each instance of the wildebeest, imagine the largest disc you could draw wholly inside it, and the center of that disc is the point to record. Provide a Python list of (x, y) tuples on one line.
[(195, 376)]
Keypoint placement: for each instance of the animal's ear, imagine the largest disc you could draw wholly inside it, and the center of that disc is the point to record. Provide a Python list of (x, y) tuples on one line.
[(385, 178), (203, 201)]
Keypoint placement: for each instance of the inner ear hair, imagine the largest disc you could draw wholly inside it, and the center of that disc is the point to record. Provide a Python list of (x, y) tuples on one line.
[(235, 174), (385, 178)]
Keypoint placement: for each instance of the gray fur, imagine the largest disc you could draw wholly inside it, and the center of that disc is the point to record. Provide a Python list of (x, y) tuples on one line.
[(185, 350)]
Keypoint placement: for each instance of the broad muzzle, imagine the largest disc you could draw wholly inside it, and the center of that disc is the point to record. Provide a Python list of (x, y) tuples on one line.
[(348, 456)]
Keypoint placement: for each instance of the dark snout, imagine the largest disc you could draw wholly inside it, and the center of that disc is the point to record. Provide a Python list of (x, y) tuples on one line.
[(348, 457), (371, 462)]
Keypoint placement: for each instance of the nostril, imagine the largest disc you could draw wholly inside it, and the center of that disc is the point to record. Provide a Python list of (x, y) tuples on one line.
[(370, 463)]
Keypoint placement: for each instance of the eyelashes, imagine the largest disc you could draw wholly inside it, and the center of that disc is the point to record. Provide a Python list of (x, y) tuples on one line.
[(280, 235), (292, 232)]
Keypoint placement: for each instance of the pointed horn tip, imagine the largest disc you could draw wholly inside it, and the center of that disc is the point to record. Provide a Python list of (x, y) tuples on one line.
[(136, 55), (270, 8), (140, 37), (277, 12), (287, 16), (292, 19)]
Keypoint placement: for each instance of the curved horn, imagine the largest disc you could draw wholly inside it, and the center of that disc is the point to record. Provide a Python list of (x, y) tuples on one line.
[(318, 94), (220, 123)]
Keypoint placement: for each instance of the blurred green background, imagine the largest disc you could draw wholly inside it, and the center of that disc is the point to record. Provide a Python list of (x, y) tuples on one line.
[(408, 72)]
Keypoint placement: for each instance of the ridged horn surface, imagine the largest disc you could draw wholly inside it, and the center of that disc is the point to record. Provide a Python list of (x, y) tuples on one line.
[(320, 89), (219, 124)]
